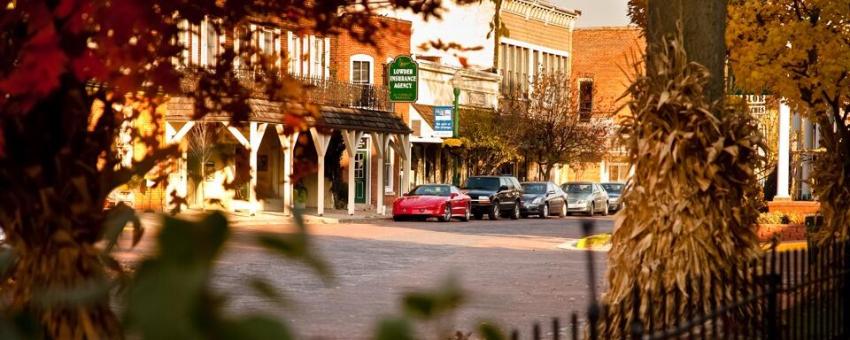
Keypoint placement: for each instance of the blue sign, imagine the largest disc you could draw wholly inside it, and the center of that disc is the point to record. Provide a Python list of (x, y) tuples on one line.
[(443, 121)]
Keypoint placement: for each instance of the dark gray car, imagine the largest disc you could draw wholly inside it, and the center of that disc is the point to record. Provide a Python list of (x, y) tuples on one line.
[(543, 199), (586, 197), (494, 196), (614, 190)]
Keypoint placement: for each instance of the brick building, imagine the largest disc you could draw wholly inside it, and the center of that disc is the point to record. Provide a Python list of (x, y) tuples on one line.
[(359, 63), (356, 117), (600, 57)]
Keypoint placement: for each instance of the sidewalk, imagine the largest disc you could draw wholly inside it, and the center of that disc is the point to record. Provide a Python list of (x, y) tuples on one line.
[(243, 219)]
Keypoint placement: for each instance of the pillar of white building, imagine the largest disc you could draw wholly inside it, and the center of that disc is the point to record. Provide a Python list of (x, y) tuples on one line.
[(603, 171), (380, 140), (351, 139), (177, 182), (287, 145), (784, 151), (321, 142), (255, 135)]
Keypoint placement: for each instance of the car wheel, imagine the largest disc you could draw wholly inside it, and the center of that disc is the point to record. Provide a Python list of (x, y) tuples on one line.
[(592, 209), (447, 213), (398, 218), (605, 210), (494, 211), (466, 214), (563, 212), (515, 214), (545, 212), (478, 216)]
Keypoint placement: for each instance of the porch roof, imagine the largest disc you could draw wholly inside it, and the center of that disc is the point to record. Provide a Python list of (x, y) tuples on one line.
[(361, 120), (264, 111)]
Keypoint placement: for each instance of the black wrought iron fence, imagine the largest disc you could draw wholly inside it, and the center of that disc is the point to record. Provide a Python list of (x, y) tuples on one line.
[(798, 294), (322, 91)]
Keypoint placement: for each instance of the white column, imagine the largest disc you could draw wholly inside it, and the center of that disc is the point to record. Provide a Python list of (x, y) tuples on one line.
[(806, 126), (380, 141), (287, 144), (320, 141), (177, 182), (405, 144), (603, 171), (255, 136), (784, 150), (351, 139)]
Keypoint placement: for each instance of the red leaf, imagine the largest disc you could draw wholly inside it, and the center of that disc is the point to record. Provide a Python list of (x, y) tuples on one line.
[(88, 66), (42, 63), (64, 9)]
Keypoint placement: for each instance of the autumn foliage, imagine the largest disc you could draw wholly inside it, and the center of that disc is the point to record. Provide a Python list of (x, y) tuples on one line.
[(73, 74)]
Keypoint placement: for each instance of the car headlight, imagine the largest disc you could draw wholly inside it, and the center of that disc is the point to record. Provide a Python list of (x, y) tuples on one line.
[(537, 200)]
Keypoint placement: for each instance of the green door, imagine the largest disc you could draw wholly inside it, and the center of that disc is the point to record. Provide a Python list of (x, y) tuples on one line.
[(360, 171)]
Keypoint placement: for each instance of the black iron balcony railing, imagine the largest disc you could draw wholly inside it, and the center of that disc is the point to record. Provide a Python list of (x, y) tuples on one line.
[(328, 92)]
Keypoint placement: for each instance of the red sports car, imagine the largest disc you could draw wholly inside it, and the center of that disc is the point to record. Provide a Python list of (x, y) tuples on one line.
[(432, 200)]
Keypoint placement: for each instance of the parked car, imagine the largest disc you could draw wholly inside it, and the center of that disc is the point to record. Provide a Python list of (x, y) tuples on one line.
[(586, 197), (432, 200), (543, 199), (613, 190), (494, 196)]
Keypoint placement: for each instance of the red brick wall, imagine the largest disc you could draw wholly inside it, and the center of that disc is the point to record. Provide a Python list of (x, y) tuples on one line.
[(602, 54), (391, 41)]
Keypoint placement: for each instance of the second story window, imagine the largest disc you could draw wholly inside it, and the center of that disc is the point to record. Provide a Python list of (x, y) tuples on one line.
[(202, 43), (585, 96), (361, 69)]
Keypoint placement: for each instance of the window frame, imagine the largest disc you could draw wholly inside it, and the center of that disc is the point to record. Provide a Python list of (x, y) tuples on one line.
[(585, 109), (361, 58), (387, 168)]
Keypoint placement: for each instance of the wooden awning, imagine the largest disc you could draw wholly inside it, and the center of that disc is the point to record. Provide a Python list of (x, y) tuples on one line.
[(181, 109)]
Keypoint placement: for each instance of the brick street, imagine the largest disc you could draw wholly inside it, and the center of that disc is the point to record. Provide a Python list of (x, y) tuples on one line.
[(512, 271)]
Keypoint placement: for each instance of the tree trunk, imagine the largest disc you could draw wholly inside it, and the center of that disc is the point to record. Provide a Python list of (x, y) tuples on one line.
[(703, 26), (688, 212)]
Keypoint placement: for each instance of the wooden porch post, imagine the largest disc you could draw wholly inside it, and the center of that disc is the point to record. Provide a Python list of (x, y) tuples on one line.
[(380, 140), (255, 135), (321, 142), (351, 139), (403, 148), (287, 143), (177, 182)]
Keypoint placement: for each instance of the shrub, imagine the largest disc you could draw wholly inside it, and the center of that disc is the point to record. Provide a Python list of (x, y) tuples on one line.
[(781, 218)]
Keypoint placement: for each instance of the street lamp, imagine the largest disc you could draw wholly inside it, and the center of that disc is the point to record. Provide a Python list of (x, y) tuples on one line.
[(456, 82)]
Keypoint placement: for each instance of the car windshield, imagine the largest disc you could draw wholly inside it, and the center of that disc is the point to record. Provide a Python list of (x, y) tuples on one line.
[(483, 183), (613, 188), (431, 190), (578, 188), (534, 188)]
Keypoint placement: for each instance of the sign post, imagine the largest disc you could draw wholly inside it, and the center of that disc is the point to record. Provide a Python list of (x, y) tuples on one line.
[(403, 79)]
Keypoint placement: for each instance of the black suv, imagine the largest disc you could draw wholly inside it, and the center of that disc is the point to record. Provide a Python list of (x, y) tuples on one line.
[(494, 196)]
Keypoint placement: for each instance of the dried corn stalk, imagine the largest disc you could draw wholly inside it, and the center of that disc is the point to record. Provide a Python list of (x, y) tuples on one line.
[(688, 212)]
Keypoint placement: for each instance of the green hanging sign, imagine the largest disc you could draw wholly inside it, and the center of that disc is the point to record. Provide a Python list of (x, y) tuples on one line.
[(403, 79)]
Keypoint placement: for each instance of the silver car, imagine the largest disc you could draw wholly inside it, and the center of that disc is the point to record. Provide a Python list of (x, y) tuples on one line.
[(586, 197)]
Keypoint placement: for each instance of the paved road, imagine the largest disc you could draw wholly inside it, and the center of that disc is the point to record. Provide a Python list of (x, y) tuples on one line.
[(512, 271)]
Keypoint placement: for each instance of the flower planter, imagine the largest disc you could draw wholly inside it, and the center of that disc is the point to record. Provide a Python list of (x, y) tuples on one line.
[(784, 232)]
